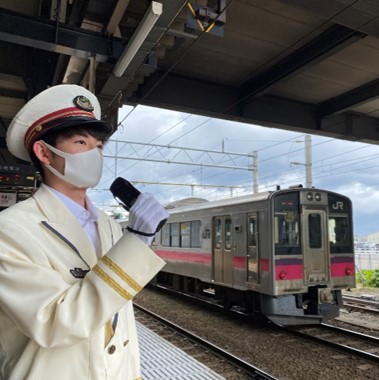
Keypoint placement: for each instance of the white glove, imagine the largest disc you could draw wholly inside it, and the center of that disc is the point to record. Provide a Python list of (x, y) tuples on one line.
[(145, 216)]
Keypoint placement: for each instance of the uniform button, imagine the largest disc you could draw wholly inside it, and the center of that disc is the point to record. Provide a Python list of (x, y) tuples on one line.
[(111, 349), (126, 342)]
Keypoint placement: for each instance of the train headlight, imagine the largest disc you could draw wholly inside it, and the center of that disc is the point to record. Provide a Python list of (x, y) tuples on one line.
[(318, 197), (310, 196), (348, 271), (282, 275)]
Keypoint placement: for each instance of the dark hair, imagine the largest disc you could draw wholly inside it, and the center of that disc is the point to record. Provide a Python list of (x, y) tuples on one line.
[(51, 138)]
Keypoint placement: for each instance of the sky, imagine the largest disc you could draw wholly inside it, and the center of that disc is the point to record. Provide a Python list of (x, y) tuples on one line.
[(350, 168)]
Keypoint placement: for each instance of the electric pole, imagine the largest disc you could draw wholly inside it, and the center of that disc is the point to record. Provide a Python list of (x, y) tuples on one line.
[(308, 160)]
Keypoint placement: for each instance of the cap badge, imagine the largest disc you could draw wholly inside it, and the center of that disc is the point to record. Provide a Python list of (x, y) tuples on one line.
[(83, 103)]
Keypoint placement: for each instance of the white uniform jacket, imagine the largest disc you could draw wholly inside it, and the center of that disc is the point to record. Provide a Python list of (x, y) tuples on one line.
[(57, 299)]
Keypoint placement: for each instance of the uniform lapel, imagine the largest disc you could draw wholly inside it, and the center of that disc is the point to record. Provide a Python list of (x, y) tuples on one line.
[(59, 218)]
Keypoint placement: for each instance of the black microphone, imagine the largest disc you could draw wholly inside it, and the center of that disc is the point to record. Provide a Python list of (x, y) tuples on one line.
[(126, 194)]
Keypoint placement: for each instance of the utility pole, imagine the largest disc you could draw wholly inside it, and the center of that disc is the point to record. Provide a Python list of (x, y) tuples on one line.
[(308, 160), (255, 172)]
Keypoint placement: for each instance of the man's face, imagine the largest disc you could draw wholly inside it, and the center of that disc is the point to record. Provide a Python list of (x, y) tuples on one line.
[(78, 143), (75, 144)]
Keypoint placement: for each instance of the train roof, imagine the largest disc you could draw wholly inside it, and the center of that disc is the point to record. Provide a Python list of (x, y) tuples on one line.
[(201, 204), (220, 202), (185, 202)]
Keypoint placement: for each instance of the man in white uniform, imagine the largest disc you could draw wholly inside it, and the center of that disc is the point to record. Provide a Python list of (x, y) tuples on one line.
[(67, 274)]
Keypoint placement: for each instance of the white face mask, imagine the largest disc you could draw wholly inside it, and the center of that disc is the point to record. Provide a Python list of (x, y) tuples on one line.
[(81, 169)]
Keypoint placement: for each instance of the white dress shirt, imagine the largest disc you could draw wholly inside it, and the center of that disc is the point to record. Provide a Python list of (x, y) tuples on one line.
[(87, 217)]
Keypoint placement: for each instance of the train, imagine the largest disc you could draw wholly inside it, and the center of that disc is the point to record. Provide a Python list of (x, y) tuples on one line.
[(283, 255)]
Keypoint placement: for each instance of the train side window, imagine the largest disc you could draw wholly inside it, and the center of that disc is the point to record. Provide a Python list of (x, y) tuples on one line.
[(196, 234), (314, 231), (185, 234), (175, 235), (252, 230), (165, 235), (228, 233), (218, 237)]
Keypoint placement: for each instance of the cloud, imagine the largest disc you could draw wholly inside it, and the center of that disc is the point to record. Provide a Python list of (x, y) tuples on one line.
[(365, 198)]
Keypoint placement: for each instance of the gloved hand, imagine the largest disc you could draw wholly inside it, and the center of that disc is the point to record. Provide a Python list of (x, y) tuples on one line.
[(145, 216)]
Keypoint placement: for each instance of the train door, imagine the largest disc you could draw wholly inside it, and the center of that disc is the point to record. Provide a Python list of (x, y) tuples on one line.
[(252, 249), (315, 246), (223, 250)]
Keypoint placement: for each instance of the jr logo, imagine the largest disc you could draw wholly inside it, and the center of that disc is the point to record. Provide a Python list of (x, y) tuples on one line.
[(337, 206)]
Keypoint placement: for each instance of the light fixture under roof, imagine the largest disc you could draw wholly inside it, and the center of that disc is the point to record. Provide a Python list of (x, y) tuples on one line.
[(149, 19)]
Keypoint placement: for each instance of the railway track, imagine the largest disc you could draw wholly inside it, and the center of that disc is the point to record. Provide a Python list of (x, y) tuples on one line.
[(221, 361), (365, 304), (348, 341), (350, 303)]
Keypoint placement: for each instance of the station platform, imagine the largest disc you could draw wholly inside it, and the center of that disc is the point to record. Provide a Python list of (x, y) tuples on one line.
[(161, 360)]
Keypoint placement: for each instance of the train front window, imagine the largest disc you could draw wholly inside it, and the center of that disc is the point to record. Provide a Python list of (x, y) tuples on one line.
[(286, 224), (314, 231), (339, 225), (340, 234)]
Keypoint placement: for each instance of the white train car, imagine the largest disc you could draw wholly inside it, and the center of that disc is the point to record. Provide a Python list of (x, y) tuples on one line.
[(285, 254)]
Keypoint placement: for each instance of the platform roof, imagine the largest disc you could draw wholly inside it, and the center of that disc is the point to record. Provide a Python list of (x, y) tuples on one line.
[(309, 66)]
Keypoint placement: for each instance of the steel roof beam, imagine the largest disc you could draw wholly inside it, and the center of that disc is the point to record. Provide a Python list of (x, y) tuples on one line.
[(350, 99), (213, 100), (327, 43), (59, 38)]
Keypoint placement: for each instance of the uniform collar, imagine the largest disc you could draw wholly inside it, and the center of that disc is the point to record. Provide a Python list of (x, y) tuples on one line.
[(62, 220), (84, 216)]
